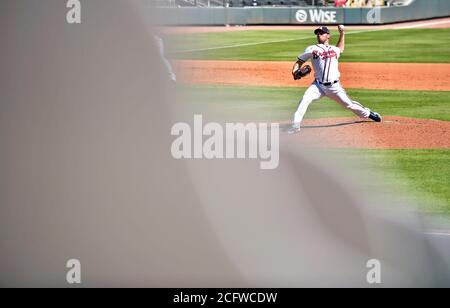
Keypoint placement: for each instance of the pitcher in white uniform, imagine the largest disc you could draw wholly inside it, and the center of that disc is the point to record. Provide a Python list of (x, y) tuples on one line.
[(324, 58)]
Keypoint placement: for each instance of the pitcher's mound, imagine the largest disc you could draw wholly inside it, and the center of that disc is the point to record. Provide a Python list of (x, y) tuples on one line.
[(393, 133)]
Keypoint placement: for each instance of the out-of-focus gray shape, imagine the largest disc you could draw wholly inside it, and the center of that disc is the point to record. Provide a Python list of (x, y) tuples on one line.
[(86, 173), (85, 168)]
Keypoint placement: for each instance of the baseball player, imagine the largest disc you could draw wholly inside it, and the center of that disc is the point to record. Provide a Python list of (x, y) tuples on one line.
[(324, 58)]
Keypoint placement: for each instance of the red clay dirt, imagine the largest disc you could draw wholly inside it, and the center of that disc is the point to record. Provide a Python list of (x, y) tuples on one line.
[(385, 76), (392, 133)]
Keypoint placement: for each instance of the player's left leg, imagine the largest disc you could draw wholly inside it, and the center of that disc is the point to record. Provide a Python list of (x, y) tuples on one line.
[(338, 94)]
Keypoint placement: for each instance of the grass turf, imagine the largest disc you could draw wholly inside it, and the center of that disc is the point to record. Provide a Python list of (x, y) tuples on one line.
[(273, 104), (404, 46), (417, 176), (420, 176)]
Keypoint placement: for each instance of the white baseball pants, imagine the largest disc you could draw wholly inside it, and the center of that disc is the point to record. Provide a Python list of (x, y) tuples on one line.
[(336, 92)]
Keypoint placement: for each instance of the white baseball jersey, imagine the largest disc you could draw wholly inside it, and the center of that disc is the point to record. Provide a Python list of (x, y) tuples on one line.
[(324, 60)]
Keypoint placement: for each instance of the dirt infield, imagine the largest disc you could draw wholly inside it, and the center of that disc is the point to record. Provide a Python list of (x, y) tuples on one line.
[(392, 133), (392, 76)]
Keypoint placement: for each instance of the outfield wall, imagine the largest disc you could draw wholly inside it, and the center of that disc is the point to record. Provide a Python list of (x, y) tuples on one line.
[(419, 9)]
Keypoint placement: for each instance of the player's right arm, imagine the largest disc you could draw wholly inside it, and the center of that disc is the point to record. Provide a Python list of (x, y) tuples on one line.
[(297, 66), (301, 59)]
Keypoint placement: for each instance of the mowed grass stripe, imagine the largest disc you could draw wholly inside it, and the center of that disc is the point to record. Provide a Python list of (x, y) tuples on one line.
[(275, 103), (392, 45), (416, 177)]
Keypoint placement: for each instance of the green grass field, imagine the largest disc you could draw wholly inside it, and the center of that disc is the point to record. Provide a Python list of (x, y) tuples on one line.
[(420, 176), (407, 45), (425, 173), (275, 104)]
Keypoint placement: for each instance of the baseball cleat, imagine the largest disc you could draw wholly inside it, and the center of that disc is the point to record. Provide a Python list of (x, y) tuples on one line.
[(375, 116), (293, 129)]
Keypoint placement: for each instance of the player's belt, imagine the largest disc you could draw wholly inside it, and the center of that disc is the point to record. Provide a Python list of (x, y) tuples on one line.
[(328, 83)]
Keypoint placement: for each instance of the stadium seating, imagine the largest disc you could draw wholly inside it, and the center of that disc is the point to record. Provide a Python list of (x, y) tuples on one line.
[(252, 3), (239, 3), (274, 2)]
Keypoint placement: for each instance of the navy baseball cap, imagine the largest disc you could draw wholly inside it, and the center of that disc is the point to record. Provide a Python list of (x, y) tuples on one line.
[(322, 29)]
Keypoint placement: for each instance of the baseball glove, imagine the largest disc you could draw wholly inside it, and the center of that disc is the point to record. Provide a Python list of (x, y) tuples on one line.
[(302, 72)]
